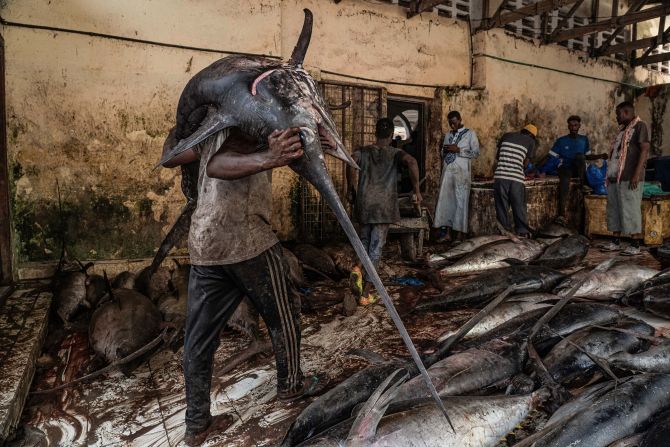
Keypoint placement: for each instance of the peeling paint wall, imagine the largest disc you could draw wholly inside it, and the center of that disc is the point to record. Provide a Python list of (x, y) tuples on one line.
[(87, 116), (654, 108), (520, 82)]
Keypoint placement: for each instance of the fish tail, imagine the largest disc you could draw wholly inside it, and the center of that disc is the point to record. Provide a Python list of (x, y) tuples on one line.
[(176, 233), (364, 427)]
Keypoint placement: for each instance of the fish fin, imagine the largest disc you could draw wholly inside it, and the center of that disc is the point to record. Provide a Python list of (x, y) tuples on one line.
[(209, 126), (370, 356), (177, 232), (514, 261), (364, 427)]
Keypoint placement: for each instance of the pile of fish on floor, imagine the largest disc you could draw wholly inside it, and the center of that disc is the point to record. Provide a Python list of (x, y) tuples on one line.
[(137, 313), (580, 349)]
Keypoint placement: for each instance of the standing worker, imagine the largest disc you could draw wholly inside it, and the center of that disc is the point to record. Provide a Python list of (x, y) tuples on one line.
[(376, 198), (625, 177), (460, 146), (234, 253), (572, 151), (514, 151)]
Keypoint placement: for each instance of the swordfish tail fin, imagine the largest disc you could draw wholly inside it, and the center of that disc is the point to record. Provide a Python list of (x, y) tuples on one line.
[(363, 430)]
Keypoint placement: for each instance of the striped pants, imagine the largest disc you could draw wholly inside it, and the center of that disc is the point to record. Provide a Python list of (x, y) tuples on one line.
[(214, 292)]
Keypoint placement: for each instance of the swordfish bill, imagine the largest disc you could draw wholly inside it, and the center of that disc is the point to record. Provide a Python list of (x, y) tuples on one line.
[(258, 95)]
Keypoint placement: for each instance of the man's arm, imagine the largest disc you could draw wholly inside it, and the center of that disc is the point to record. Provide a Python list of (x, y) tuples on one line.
[(413, 168), (186, 157), (639, 169), (284, 146), (642, 135)]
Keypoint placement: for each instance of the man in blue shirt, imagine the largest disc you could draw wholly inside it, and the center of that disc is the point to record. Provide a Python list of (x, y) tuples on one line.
[(572, 150)]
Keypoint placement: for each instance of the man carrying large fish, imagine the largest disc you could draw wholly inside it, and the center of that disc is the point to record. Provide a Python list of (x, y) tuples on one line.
[(237, 120)]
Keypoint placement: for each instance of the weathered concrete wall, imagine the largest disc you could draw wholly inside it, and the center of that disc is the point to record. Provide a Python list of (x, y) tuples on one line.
[(654, 108), (522, 82), (91, 113)]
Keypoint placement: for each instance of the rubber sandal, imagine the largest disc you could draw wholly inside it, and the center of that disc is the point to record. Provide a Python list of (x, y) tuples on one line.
[(311, 386)]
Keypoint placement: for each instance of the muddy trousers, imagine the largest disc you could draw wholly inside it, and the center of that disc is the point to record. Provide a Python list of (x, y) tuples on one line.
[(577, 170), (506, 193), (373, 237), (214, 292)]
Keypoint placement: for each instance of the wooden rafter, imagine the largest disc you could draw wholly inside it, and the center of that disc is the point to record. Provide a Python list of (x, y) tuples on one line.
[(533, 9), (656, 58), (636, 6), (486, 23), (595, 10), (638, 44), (658, 41), (419, 6), (614, 22), (564, 21)]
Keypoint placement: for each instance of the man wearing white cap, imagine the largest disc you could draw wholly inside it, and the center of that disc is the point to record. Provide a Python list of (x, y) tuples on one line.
[(514, 151)]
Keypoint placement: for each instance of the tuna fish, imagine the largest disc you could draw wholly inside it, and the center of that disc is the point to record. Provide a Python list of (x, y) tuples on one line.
[(553, 230), (657, 300), (655, 359), (462, 249), (493, 256), (571, 318), (468, 371), (124, 280), (337, 404), (259, 95), (610, 284), (568, 361), (479, 421), (610, 417), (316, 258), (343, 255), (294, 268), (514, 306), (565, 252), (480, 289), (122, 325), (70, 295), (659, 433)]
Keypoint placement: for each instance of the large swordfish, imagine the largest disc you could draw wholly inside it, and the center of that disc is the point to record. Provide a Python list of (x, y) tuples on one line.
[(258, 95)]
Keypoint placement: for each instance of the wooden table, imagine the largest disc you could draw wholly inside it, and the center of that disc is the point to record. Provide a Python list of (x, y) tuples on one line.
[(655, 218)]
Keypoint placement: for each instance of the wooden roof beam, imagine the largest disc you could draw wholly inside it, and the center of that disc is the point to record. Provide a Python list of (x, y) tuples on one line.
[(656, 58), (634, 7), (638, 44), (657, 42), (419, 6), (527, 11), (624, 20), (564, 21)]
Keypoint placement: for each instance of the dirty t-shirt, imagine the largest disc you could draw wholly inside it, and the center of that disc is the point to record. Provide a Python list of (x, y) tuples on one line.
[(231, 222), (640, 135), (377, 195)]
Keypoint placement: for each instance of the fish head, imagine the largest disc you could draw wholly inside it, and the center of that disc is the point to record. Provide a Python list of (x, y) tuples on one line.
[(287, 97)]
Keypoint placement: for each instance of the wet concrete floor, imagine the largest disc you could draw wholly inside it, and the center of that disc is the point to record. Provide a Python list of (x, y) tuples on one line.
[(147, 408)]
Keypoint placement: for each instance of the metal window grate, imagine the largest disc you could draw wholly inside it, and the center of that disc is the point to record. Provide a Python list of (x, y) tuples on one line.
[(356, 125)]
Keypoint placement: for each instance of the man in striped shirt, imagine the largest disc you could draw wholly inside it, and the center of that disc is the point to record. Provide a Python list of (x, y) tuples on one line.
[(514, 151)]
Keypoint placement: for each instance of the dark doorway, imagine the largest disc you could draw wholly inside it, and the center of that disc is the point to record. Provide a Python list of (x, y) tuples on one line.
[(5, 247), (409, 118)]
